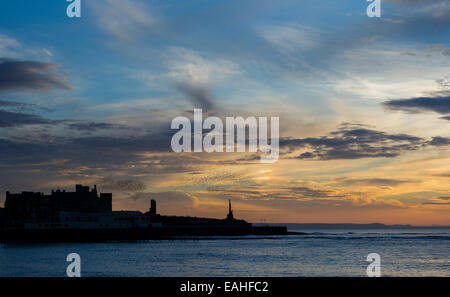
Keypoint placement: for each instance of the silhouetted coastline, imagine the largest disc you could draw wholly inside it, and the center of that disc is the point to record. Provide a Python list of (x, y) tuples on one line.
[(86, 215)]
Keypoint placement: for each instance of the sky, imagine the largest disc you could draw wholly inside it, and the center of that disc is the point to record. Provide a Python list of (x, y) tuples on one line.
[(363, 103)]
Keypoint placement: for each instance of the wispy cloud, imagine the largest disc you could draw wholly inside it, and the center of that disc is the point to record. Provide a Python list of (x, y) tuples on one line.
[(379, 182), (190, 66), (125, 20), (8, 46), (292, 38), (130, 185)]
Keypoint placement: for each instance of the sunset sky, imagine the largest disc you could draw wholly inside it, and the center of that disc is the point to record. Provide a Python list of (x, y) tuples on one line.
[(364, 105)]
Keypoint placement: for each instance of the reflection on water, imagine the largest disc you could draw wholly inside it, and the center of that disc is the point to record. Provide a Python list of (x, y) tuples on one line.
[(320, 253)]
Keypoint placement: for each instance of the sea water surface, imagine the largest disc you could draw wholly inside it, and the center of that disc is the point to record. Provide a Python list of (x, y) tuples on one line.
[(405, 252)]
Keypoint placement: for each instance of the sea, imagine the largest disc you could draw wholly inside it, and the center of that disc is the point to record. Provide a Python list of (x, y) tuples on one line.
[(320, 252)]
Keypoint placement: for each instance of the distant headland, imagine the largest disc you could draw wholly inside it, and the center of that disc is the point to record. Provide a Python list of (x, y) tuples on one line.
[(354, 226)]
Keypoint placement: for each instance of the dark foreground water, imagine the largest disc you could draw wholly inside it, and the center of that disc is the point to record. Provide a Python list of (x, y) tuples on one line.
[(424, 252)]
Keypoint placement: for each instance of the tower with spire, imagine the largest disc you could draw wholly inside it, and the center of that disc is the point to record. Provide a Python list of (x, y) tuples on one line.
[(230, 212)]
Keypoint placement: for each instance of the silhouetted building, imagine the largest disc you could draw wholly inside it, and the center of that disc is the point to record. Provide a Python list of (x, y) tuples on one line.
[(86, 215), (230, 216), (153, 207), (29, 207), (2, 216)]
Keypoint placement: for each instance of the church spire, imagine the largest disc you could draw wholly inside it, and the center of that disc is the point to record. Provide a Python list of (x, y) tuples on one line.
[(230, 211)]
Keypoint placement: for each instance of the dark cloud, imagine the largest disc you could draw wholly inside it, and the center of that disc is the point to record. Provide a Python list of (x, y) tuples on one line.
[(440, 141), (446, 118), (13, 104), (438, 201), (200, 96), (30, 75), (21, 106), (348, 142), (444, 174), (372, 181), (83, 151), (356, 143), (439, 105), (15, 119), (307, 192), (93, 126)]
